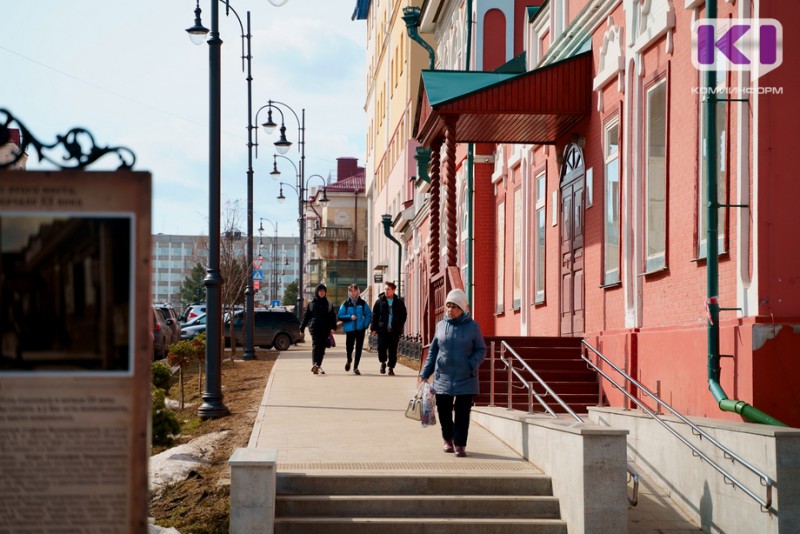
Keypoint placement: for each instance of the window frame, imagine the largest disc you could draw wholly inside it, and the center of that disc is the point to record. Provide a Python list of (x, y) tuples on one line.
[(658, 261), (540, 237), (500, 257), (612, 277)]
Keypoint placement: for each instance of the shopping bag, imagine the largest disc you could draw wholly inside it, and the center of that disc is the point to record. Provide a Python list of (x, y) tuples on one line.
[(331, 341), (428, 415), (414, 408)]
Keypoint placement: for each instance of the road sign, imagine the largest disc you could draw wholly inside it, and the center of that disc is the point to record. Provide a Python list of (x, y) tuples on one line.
[(257, 263), (258, 275), (276, 303), (256, 284)]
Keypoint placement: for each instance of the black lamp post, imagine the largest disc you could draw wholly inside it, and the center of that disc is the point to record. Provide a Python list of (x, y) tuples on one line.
[(212, 396), (272, 286), (283, 146)]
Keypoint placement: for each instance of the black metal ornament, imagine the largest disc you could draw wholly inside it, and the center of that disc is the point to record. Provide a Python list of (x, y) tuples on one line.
[(78, 144)]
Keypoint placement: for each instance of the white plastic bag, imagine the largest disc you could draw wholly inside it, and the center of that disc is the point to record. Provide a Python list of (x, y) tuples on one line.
[(428, 405)]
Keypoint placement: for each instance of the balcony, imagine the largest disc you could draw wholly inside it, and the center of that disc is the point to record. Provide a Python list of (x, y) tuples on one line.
[(333, 233)]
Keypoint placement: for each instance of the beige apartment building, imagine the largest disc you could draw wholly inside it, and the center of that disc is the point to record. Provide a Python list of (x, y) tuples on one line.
[(394, 63)]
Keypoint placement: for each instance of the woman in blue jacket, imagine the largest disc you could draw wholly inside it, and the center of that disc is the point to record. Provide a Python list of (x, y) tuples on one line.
[(455, 354), (356, 316)]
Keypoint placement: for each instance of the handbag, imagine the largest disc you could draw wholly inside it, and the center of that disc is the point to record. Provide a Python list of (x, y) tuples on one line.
[(331, 341), (414, 409)]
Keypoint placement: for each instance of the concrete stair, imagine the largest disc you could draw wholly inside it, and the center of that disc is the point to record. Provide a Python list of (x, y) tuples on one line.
[(557, 360), (420, 503)]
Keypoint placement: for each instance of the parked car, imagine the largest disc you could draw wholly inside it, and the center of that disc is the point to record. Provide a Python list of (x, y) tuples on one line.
[(194, 327), (161, 335), (278, 329), (171, 318), (193, 311)]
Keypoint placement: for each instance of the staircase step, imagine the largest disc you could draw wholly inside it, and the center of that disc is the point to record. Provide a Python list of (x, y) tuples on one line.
[(402, 525), (429, 506), (561, 388), (411, 484)]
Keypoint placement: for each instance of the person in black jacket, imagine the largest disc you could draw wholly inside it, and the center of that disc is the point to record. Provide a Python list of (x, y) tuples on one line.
[(388, 320), (320, 317)]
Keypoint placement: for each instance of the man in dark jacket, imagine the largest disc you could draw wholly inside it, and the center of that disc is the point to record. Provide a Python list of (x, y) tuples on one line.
[(388, 320), (320, 317)]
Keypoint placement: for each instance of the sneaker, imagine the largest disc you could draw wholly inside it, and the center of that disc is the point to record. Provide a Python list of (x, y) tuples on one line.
[(347, 365), (383, 368), (315, 369), (319, 370), (448, 446), (356, 371), (391, 371), (460, 452)]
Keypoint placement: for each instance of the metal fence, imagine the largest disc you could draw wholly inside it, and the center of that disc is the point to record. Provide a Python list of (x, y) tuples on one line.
[(410, 346)]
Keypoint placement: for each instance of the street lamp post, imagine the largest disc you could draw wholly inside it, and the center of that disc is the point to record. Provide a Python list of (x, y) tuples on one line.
[(274, 261), (301, 126), (212, 396), (300, 190)]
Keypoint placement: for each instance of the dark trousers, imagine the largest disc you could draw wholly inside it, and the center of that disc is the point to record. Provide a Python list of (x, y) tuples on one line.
[(387, 348), (458, 429), (319, 344), (355, 338)]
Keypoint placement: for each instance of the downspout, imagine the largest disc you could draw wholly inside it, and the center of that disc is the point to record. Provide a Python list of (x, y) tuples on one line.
[(712, 261), (470, 174), (387, 223), (411, 18)]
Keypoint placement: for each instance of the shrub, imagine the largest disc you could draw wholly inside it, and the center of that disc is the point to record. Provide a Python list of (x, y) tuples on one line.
[(165, 424), (162, 374), (184, 353)]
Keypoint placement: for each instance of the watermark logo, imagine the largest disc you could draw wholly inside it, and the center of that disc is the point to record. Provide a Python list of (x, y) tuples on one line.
[(754, 45)]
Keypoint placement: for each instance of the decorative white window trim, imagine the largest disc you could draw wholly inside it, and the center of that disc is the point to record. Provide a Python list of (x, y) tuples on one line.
[(500, 165), (647, 21), (516, 156), (611, 59)]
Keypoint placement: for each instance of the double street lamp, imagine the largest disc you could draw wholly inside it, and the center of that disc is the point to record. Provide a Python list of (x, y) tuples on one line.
[(300, 190), (273, 288), (212, 396)]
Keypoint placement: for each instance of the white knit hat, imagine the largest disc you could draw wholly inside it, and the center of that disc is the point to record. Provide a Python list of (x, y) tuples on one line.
[(459, 298)]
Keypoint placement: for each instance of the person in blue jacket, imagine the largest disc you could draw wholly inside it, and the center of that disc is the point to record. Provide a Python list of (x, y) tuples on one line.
[(356, 317), (456, 352)]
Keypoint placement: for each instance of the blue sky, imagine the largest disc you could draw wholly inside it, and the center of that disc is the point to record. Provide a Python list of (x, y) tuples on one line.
[(127, 72)]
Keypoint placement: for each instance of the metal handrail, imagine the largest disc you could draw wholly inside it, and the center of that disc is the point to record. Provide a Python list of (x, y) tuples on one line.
[(766, 481), (529, 385), (634, 476)]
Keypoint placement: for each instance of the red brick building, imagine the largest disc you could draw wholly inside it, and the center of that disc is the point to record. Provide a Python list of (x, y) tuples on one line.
[(588, 214)]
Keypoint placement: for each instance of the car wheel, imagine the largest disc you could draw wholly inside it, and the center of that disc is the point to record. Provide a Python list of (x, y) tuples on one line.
[(282, 342)]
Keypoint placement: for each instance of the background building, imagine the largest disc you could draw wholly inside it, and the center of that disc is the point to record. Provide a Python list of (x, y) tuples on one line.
[(339, 235), (174, 257)]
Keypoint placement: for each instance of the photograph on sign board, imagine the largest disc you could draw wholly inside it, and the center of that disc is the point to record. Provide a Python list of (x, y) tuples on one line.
[(65, 293)]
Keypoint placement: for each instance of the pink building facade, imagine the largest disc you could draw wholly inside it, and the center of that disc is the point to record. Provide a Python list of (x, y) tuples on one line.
[(588, 189)]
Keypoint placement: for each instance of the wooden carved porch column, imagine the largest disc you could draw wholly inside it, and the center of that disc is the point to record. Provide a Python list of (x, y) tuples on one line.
[(450, 199), (434, 250)]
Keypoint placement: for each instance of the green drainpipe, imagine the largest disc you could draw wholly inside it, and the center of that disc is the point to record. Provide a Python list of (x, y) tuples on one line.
[(470, 175), (411, 18), (712, 262), (387, 223)]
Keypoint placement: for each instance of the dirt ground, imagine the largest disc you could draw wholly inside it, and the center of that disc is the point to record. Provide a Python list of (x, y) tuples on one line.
[(201, 504)]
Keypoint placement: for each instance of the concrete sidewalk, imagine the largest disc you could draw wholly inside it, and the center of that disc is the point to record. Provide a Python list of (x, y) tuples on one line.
[(343, 421)]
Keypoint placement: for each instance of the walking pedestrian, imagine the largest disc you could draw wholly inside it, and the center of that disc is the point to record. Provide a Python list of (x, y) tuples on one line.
[(356, 316), (320, 317), (456, 352), (388, 320)]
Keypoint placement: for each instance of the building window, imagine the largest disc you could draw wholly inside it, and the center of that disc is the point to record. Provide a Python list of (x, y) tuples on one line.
[(656, 177), (501, 252), (720, 139), (539, 262), (611, 220), (517, 293)]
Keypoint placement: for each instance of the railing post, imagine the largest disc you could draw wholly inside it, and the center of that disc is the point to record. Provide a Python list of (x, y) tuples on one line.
[(658, 394), (491, 375), (510, 367)]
